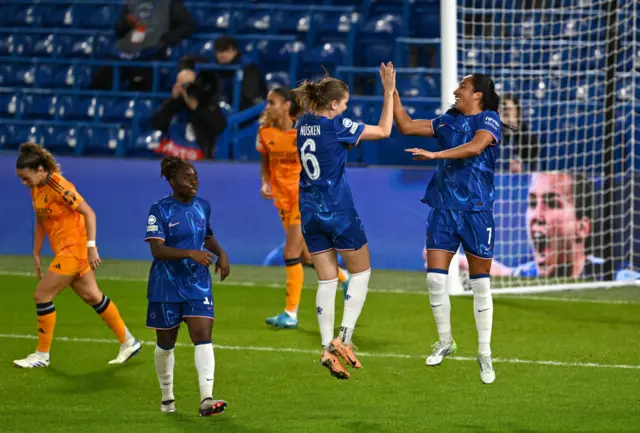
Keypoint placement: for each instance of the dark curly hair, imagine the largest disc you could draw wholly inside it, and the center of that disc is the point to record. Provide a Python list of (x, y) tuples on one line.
[(170, 166)]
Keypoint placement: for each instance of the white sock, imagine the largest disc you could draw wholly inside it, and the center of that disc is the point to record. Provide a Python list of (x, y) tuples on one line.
[(326, 309), (164, 362), (205, 365), (357, 294), (43, 355), (483, 311), (129, 339), (440, 303), (292, 314)]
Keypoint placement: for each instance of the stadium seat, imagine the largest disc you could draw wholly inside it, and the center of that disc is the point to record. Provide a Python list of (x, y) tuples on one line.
[(57, 15), (77, 46), (9, 104), (70, 76), (77, 107), (277, 79), (22, 44), (103, 46), (104, 17), (99, 140), (22, 16), (383, 26), (7, 133), (38, 106), (328, 54), (122, 109), (42, 46), (6, 44), (60, 139)]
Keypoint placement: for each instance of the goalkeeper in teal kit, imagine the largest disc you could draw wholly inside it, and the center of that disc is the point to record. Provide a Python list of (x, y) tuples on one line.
[(461, 195)]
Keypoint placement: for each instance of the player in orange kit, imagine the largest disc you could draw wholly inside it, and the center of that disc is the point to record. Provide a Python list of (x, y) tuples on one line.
[(280, 174), (70, 224)]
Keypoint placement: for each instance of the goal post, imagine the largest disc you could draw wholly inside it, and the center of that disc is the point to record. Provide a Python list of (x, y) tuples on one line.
[(568, 73)]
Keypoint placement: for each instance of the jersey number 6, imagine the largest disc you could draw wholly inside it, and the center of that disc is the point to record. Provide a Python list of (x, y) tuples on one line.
[(309, 160)]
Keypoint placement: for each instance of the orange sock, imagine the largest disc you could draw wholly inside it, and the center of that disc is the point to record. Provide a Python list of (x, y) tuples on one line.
[(342, 276), (46, 325), (109, 312), (295, 279)]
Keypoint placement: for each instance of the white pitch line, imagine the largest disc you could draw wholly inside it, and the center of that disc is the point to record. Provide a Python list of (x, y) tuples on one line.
[(371, 289), (363, 354)]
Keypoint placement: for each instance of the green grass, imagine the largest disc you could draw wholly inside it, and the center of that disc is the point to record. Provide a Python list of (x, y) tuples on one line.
[(271, 390)]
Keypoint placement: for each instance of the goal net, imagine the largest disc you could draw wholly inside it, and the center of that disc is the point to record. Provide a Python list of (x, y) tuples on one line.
[(568, 72)]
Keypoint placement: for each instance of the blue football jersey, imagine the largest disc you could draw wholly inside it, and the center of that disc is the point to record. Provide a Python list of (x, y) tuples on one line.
[(323, 145), (183, 226), (464, 184)]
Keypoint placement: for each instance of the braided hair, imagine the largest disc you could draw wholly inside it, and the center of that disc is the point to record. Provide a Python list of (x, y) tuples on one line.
[(170, 166)]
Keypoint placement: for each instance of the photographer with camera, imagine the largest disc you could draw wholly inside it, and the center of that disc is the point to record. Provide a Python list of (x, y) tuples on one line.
[(191, 120)]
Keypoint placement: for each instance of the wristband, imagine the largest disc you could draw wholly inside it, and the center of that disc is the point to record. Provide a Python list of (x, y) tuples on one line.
[(91, 244)]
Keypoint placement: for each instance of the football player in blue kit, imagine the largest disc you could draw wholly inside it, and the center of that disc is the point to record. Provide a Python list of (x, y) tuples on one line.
[(461, 194), (330, 222), (179, 288)]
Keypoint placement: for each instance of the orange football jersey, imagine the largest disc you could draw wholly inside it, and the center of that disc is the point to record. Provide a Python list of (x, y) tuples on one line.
[(56, 205), (284, 164)]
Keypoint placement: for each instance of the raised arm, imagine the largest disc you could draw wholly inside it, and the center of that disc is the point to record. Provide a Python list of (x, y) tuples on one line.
[(383, 128), (406, 125)]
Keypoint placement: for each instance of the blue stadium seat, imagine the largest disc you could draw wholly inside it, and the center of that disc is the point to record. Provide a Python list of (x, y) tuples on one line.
[(43, 46), (57, 15), (144, 143), (213, 19), (292, 22), (7, 76), (7, 133), (6, 44), (383, 26), (103, 46), (69, 76), (23, 133), (38, 106), (104, 17), (22, 16), (122, 109), (277, 79), (426, 25), (77, 107), (328, 54), (9, 104), (262, 21), (99, 140), (60, 139), (82, 46), (23, 44)]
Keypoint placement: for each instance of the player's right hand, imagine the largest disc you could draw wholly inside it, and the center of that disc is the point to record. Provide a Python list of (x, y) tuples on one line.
[(266, 192), (203, 257), (388, 77), (36, 261)]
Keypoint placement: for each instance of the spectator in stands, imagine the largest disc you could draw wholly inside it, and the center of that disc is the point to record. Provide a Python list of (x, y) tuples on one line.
[(254, 87), (192, 116), (144, 30), (519, 147)]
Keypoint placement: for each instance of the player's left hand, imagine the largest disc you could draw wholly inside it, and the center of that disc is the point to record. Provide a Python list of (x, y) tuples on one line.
[(94, 258), (421, 154), (222, 265)]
